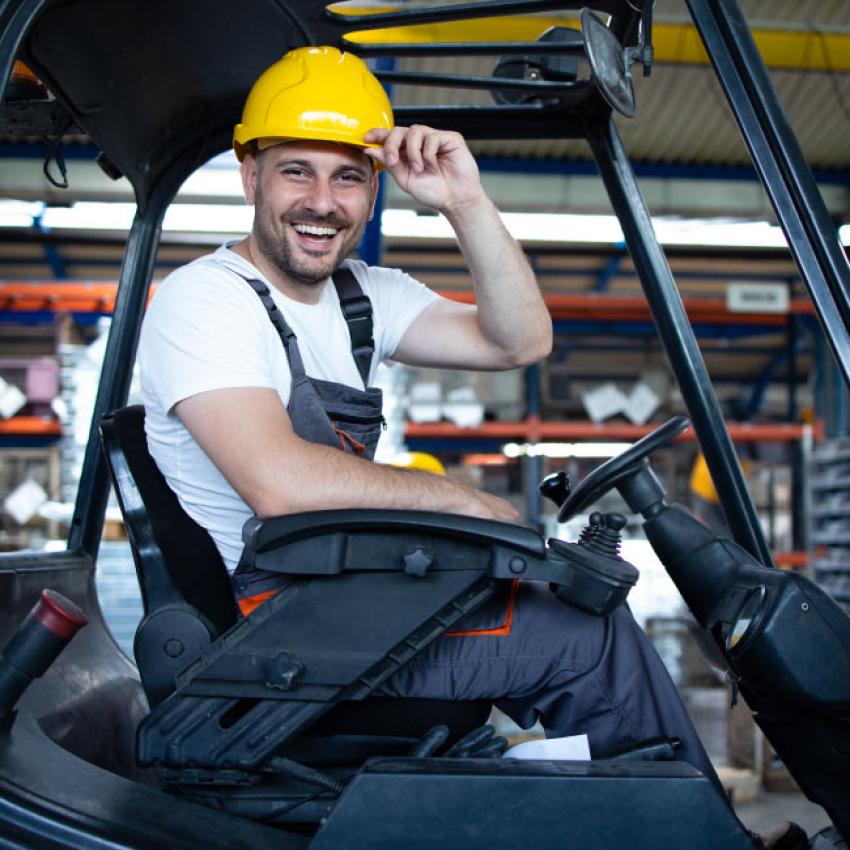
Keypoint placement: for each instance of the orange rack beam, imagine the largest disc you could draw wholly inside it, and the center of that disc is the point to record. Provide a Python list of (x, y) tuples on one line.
[(58, 297), (89, 297), (29, 426), (791, 560), (625, 308), (522, 431), (533, 431), (99, 297)]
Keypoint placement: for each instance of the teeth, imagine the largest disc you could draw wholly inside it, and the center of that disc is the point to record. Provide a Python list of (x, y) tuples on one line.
[(315, 230)]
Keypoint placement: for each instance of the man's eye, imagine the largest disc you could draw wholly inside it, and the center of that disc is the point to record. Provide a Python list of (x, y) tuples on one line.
[(351, 177), (294, 172)]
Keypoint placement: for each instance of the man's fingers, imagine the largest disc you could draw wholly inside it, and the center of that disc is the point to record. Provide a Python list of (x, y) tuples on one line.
[(430, 149), (376, 135), (417, 146), (413, 147), (376, 154), (392, 145)]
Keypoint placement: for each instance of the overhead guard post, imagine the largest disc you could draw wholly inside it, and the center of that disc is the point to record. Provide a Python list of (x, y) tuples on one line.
[(779, 161), (676, 335)]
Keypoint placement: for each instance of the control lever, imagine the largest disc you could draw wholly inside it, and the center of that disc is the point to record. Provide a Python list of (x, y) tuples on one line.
[(602, 534), (556, 487)]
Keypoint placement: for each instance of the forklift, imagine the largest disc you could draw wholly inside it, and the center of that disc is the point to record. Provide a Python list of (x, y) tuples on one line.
[(263, 731)]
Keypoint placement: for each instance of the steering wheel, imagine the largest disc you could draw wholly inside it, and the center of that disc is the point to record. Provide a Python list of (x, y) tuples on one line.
[(604, 477)]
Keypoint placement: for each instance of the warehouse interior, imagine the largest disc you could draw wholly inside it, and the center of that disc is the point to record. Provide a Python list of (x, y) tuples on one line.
[(64, 220)]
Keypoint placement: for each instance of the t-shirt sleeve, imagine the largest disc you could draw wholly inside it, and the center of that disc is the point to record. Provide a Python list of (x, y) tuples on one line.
[(201, 333), (397, 301)]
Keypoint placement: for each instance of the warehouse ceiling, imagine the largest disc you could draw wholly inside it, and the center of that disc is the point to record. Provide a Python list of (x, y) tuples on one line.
[(682, 119), (682, 116)]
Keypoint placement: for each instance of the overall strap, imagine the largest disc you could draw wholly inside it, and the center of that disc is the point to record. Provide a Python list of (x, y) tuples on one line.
[(357, 310), (286, 334)]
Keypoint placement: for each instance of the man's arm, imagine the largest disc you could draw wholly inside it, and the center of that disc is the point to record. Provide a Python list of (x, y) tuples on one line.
[(247, 434), (510, 326)]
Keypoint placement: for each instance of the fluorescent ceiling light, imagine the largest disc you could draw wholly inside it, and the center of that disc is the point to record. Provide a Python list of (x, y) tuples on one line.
[(213, 182), (184, 218), (19, 213), (89, 215), (844, 235), (564, 450), (208, 218), (595, 229), (527, 227)]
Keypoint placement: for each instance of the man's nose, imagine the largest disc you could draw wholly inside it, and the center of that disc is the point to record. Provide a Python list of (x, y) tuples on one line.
[(321, 200)]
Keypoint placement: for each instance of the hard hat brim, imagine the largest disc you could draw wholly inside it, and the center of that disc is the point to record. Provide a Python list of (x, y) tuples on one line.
[(266, 142)]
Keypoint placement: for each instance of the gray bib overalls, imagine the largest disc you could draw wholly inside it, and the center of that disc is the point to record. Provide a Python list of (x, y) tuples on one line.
[(530, 654), (325, 412)]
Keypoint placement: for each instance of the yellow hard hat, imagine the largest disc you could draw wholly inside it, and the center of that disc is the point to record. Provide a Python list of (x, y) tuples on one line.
[(315, 93), (701, 482), (419, 460)]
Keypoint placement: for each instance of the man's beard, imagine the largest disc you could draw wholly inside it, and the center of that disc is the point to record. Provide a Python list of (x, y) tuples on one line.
[(278, 251)]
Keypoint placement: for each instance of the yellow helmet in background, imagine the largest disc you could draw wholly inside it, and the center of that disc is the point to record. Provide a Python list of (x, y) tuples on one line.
[(701, 482), (418, 460), (314, 93)]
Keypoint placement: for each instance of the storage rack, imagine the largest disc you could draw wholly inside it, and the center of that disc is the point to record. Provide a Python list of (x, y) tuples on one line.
[(829, 517)]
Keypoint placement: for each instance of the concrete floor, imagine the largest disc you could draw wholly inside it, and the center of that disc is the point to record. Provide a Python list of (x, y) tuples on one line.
[(708, 708), (773, 808)]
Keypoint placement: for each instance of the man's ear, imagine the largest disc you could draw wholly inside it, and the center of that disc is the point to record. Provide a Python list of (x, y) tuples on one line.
[(374, 193), (250, 172)]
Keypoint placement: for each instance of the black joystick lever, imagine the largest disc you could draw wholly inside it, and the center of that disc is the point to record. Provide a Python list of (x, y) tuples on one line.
[(602, 534), (555, 487)]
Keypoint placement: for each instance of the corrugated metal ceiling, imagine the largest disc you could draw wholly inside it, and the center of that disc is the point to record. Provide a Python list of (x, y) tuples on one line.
[(683, 116)]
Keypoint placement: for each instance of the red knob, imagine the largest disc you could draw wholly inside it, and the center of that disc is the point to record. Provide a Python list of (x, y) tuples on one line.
[(57, 613)]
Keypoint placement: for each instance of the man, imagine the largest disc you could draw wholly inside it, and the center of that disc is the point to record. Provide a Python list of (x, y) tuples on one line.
[(251, 389)]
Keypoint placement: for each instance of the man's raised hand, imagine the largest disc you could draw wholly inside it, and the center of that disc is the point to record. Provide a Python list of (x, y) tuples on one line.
[(435, 167)]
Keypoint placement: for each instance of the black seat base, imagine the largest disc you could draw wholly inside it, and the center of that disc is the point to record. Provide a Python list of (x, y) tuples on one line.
[(406, 718)]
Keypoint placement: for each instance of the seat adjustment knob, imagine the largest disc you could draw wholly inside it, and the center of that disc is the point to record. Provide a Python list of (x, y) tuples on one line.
[(417, 562)]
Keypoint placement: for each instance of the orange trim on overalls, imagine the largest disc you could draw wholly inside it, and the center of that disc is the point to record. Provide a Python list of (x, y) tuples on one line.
[(346, 441), (499, 631), (248, 603)]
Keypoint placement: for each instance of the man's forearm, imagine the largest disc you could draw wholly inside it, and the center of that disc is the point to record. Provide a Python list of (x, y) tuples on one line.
[(329, 479), (511, 311), (248, 435), (436, 168)]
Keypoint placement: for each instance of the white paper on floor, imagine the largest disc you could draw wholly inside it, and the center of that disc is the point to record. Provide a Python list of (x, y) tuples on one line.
[(570, 748)]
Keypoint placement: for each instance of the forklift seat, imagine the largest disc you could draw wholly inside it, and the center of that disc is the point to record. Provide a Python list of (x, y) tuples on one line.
[(182, 577)]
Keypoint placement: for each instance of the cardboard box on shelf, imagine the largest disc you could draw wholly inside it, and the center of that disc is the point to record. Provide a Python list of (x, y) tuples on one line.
[(23, 502), (11, 399), (604, 402), (641, 403)]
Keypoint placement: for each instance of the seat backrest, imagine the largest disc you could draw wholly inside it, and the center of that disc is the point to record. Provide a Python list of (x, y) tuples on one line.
[(176, 559), (177, 563)]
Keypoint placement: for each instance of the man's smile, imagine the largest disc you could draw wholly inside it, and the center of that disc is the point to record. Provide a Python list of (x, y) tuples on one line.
[(315, 235)]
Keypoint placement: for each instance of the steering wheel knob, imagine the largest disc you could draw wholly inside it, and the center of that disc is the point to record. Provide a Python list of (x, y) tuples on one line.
[(555, 487)]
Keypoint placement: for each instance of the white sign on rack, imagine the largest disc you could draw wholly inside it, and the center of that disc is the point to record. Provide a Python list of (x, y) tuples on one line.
[(757, 297)]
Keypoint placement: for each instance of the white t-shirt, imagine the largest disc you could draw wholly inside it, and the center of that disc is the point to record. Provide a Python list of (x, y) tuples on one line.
[(206, 329)]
